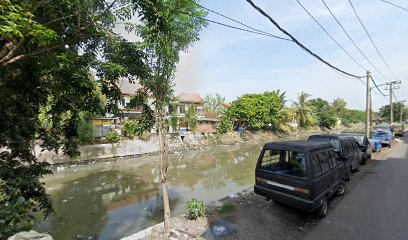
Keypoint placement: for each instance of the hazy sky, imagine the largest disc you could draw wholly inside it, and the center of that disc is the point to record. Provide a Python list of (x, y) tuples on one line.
[(232, 62)]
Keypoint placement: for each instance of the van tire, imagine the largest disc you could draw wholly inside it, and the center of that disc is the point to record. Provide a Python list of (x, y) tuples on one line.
[(342, 189), (323, 209)]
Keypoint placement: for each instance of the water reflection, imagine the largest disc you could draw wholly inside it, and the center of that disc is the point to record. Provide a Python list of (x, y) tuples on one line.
[(112, 200)]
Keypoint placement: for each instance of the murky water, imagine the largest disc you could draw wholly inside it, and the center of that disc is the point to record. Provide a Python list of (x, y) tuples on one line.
[(115, 199)]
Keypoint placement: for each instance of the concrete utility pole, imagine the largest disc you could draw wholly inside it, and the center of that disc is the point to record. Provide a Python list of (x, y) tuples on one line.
[(391, 88), (402, 110), (368, 107)]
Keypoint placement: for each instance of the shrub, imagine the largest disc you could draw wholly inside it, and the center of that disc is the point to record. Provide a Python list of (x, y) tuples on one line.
[(227, 207), (130, 128), (195, 209), (112, 136), (86, 132), (13, 212)]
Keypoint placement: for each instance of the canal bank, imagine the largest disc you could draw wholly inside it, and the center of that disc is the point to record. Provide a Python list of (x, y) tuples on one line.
[(251, 217), (114, 199), (131, 148)]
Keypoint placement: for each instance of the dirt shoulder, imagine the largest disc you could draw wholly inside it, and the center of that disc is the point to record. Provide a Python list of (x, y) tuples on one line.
[(251, 217)]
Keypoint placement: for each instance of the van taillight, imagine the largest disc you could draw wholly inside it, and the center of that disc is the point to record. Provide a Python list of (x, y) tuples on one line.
[(261, 180), (301, 190)]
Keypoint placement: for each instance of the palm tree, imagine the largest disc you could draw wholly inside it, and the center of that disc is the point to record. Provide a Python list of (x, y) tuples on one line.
[(304, 112)]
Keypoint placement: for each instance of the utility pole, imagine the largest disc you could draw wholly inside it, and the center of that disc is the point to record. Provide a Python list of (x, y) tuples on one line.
[(391, 88), (402, 110), (368, 107)]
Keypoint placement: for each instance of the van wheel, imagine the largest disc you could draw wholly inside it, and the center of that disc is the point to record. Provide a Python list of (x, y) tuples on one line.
[(324, 208), (342, 189)]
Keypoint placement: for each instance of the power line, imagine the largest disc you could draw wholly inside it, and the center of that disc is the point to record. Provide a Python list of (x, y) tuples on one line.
[(377, 87), (352, 41), (330, 36), (395, 5), (371, 39), (240, 23), (298, 43), (242, 29)]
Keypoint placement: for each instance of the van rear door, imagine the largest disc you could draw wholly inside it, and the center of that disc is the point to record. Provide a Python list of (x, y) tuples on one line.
[(283, 171), (323, 177)]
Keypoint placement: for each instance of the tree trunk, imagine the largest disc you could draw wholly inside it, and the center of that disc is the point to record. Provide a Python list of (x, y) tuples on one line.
[(163, 164)]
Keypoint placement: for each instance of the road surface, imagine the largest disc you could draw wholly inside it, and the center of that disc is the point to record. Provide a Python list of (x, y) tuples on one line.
[(374, 208)]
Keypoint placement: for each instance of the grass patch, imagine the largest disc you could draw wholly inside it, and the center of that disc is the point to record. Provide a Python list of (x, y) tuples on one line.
[(227, 207)]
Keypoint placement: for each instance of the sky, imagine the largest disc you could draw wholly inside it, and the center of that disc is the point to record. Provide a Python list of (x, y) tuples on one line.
[(232, 62)]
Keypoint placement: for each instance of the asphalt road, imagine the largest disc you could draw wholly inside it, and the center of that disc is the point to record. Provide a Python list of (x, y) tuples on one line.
[(375, 206)]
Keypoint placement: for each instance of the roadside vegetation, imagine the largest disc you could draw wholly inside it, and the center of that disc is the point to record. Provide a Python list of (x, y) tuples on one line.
[(269, 111), (227, 207)]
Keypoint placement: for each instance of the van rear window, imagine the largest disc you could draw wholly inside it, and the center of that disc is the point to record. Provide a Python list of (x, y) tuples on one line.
[(284, 162)]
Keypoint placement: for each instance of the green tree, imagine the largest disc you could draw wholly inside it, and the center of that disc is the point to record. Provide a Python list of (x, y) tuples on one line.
[(339, 106), (214, 105), (353, 116), (167, 28), (325, 114), (47, 51), (191, 118), (397, 107), (260, 110), (304, 112)]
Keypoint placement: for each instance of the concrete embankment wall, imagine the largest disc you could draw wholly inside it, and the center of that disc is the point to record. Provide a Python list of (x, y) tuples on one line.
[(135, 147)]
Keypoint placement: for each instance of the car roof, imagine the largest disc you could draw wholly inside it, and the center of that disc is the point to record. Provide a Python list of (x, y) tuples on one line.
[(324, 136), (352, 134), (332, 136), (298, 145), (382, 126)]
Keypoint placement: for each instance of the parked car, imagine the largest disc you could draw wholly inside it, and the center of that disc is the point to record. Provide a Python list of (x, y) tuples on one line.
[(384, 134), (303, 174), (364, 144), (398, 130), (347, 147)]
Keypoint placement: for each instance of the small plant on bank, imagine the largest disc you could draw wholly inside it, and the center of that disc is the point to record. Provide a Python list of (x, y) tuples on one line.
[(227, 207), (195, 209), (112, 136)]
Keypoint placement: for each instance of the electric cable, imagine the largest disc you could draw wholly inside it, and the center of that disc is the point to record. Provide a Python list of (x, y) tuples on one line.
[(395, 5), (297, 42), (242, 29), (239, 22), (352, 41), (331, 37), (371, 40)]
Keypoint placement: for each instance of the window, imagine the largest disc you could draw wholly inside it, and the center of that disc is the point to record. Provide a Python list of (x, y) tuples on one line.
[(182, 109), (324, 161), (284, 162), (317, 169), (333, 159)]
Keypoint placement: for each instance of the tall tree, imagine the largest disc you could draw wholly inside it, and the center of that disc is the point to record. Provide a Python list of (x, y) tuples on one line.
[(191, 118), (167, 28), (304, 112), (339, 106), (47, 51), (214, 105), (259, 110), (325, 114), (397, 108)]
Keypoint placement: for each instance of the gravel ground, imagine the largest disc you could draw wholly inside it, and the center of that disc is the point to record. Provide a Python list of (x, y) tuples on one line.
[(255, 218)]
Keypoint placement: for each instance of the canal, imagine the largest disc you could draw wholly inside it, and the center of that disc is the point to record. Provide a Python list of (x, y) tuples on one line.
[(110, 200)]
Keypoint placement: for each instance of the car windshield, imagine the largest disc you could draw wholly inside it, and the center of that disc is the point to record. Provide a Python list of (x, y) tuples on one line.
[(284, 162)]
